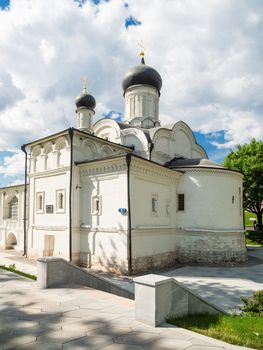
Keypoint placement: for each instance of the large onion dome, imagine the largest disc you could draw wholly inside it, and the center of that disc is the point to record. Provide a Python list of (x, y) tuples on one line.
[(142, 74)]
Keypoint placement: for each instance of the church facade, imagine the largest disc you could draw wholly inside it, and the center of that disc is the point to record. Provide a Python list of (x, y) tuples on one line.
[(125, 196)]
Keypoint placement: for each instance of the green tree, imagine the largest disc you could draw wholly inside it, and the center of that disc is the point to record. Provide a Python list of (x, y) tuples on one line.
[(248, 159)]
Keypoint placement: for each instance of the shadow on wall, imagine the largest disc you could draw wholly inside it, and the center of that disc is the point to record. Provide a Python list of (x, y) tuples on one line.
[(113, 262)]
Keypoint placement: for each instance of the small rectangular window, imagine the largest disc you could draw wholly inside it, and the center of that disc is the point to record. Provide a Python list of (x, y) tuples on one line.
[(40, 202), (60, 201), (154, 204), (180, 202), (96, 205)]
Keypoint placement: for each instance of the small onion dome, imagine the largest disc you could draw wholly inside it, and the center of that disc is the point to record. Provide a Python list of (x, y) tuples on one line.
[(142, 74), (86, 101)]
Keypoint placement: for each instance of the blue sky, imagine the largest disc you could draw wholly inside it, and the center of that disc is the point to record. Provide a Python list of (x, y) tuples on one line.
[(4, 4), (208, 52)]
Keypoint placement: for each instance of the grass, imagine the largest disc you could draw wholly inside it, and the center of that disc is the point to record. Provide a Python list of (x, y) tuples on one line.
[(238, 330), (248, 216), (12, 268)]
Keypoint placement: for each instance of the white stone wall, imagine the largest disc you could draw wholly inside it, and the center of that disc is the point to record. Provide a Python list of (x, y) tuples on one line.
[(103, 234), (213, 200), (48, 232)]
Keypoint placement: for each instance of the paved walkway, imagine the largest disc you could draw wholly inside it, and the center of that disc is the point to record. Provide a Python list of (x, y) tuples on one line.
[(82, 318), (223, 285)]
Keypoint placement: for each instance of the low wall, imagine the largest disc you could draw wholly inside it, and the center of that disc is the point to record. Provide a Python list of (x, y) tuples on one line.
[(158, 297), (155, 248), (57, 272)]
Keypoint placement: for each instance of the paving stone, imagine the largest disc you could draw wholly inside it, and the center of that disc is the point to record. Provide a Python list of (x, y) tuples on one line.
[(168, 344), (82, 325), (136, 338), (118, 309), (59, 308), (91, 315), (9, 341), (60, 336), (125, 322), (148, 329), (90, 343), (96, 305), (36, 330), (174, 333), (114, 332), (122, 347), (38, 346)]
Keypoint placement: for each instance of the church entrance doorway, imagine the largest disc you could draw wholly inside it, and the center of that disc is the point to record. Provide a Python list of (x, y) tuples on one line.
[(49, 245)]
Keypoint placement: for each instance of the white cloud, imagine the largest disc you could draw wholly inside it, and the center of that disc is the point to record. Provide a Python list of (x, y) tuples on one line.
[(13, 165), (208, 52), (48, 51)]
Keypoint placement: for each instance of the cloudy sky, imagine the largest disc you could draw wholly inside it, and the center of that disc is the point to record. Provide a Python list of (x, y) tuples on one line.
[(208, 52)]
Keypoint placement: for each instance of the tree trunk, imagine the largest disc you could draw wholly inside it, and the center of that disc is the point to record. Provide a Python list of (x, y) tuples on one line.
[(259, 217)]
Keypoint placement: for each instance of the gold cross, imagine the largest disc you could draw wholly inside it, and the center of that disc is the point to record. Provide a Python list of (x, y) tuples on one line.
[(84, 85), (140, 43)]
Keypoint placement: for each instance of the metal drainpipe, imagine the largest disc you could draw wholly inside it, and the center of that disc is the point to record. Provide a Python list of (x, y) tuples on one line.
[(151, 146), (129, 241), (23, 148), (70, 131)]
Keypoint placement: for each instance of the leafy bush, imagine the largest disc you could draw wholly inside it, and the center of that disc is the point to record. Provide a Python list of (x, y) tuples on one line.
[(253, 305), (255, 237)]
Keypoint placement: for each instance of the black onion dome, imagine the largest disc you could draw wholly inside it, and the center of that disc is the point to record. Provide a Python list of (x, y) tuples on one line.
[(142, 74), (86, 101)]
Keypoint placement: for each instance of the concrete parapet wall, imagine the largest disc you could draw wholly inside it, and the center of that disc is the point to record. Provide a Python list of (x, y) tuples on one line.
[(158, 297), (56, 272)]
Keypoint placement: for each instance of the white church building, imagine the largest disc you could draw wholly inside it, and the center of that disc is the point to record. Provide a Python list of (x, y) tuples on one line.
[(124, 196)]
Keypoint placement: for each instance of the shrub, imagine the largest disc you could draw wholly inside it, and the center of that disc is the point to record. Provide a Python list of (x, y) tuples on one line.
[(255, 236), (254, 304)]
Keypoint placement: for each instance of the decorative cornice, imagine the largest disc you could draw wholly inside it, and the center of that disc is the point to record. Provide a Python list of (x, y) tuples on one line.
[(106, 166), (50, 228), (209, 170), (45, 173)]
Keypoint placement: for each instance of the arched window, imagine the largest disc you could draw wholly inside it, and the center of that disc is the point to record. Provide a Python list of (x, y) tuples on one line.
[(13, 208)]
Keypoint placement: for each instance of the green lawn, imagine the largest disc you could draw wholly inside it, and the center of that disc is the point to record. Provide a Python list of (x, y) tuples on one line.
[(238, 330), (249, 216), (12, 268)]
